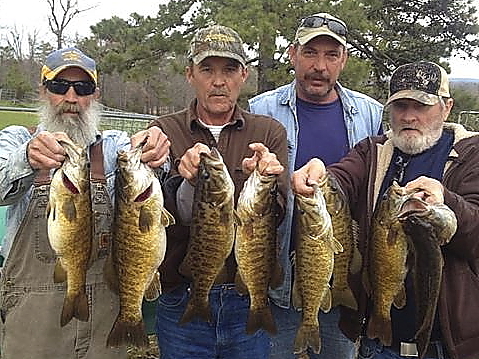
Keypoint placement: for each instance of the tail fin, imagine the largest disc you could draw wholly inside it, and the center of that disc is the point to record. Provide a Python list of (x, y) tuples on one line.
[(379, 327), (77, 307), (124, 333), (344, 297), (307, 336), (200, 309), (261, 318)]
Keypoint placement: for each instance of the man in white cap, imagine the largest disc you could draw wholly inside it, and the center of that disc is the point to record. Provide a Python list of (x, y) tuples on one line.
[(322, 119), (434, 161)]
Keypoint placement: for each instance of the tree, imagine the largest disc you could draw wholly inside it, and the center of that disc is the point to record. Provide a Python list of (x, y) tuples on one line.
[(62, 12)]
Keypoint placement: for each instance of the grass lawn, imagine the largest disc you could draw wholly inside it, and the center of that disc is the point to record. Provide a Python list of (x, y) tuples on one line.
[(8, 118)]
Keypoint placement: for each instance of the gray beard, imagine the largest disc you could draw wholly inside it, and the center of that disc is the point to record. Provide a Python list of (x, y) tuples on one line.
[(81, 128), (414, 145)]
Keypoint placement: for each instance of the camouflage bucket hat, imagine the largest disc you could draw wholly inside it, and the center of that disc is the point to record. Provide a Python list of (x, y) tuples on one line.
[(62, 59), (219, 41), (422, 81)]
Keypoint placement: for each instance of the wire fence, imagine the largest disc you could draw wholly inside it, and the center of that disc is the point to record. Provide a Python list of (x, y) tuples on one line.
[(129, 122)]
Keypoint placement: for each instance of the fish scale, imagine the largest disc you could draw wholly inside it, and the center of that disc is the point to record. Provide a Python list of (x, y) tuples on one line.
[(315, 250), (211, 233), (138, 246), (69, 229), (256, 248)]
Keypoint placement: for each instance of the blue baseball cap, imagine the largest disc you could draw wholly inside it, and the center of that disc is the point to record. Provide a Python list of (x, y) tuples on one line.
[(62, 59)]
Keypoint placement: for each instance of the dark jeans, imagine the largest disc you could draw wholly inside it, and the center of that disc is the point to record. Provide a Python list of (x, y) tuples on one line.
[(224, 338), (372, 349), (334, 344)]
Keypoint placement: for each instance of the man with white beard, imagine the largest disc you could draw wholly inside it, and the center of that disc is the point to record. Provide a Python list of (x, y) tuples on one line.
[(30, 301), (439, 163)]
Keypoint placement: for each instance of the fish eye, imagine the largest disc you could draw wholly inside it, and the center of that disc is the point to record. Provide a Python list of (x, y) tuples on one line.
[(205, 175)]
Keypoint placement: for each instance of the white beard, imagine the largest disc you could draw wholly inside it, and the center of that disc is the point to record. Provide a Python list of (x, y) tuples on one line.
[(81, 128)]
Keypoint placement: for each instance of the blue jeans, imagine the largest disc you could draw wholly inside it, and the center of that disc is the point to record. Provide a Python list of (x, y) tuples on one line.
[(373, 349), (225, 337), (334, 344)]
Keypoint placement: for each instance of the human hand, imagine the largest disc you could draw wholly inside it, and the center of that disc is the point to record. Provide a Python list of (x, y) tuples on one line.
[(190, 161), (44, 152), (428, 189), (311, 173), (265, 161), (156, 147)]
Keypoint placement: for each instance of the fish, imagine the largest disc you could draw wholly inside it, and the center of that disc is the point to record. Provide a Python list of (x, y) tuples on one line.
[(345, 230), (212, 233), (315, 251), (387, 264), (138, 246), (428, 227), (69, 228), (256, 248)]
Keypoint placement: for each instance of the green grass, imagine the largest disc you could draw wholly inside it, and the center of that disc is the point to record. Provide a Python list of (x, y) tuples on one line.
[(8, 118)]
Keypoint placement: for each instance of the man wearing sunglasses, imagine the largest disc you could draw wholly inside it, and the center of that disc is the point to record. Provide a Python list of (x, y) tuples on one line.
[(322, 119), (440, 166), (30, 302)]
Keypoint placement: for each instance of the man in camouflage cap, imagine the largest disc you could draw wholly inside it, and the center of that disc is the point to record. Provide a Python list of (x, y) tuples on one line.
[(216, 71)]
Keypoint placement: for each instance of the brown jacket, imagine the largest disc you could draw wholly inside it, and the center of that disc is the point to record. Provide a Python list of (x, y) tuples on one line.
[(361, 174), (184, 130)]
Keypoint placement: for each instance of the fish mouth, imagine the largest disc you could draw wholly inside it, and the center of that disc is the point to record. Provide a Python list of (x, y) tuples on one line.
[(413, 207)]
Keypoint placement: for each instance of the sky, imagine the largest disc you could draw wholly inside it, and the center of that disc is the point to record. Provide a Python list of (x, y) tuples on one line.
[(29, 15)]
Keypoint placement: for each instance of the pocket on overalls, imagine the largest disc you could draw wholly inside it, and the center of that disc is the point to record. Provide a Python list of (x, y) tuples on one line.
[(42, 250)]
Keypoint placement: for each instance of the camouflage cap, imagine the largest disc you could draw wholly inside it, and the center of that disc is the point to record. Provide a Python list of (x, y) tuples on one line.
[(321, 24), (422, 81), (216, 40), (62, 59)]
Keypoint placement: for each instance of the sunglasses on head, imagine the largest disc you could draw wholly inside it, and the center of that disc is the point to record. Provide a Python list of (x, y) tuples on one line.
[(60, 87), (318, 21)]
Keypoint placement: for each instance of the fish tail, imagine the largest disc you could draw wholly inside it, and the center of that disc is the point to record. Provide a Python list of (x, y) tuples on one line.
[(344, 297), (261, 318), (125, 333), (200, 309), (380, 327), (77, 307), (307, 336)]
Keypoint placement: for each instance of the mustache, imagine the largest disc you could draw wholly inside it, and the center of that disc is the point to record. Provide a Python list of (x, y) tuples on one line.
[(218, 93), (67, 107), (316, 76)]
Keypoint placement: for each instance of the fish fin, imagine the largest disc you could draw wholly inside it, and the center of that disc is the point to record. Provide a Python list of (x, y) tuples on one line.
[(307, 337), (356, 260), (49, 209), (200, 309), (240, 287), (166, 218), (336, 246), (145, 220), (276, 276), (379, 327), (77, 307), (296, 296), (154, 289), (110, 274), (127, 333), (326, 301), (69, 210), (59, 273), (185, 269), (261, 318), (366, 282), (400, 298), (344, 297)]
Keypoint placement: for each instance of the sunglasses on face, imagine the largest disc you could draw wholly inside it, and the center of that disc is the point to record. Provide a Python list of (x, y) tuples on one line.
[(60, 87), (318, 21)]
